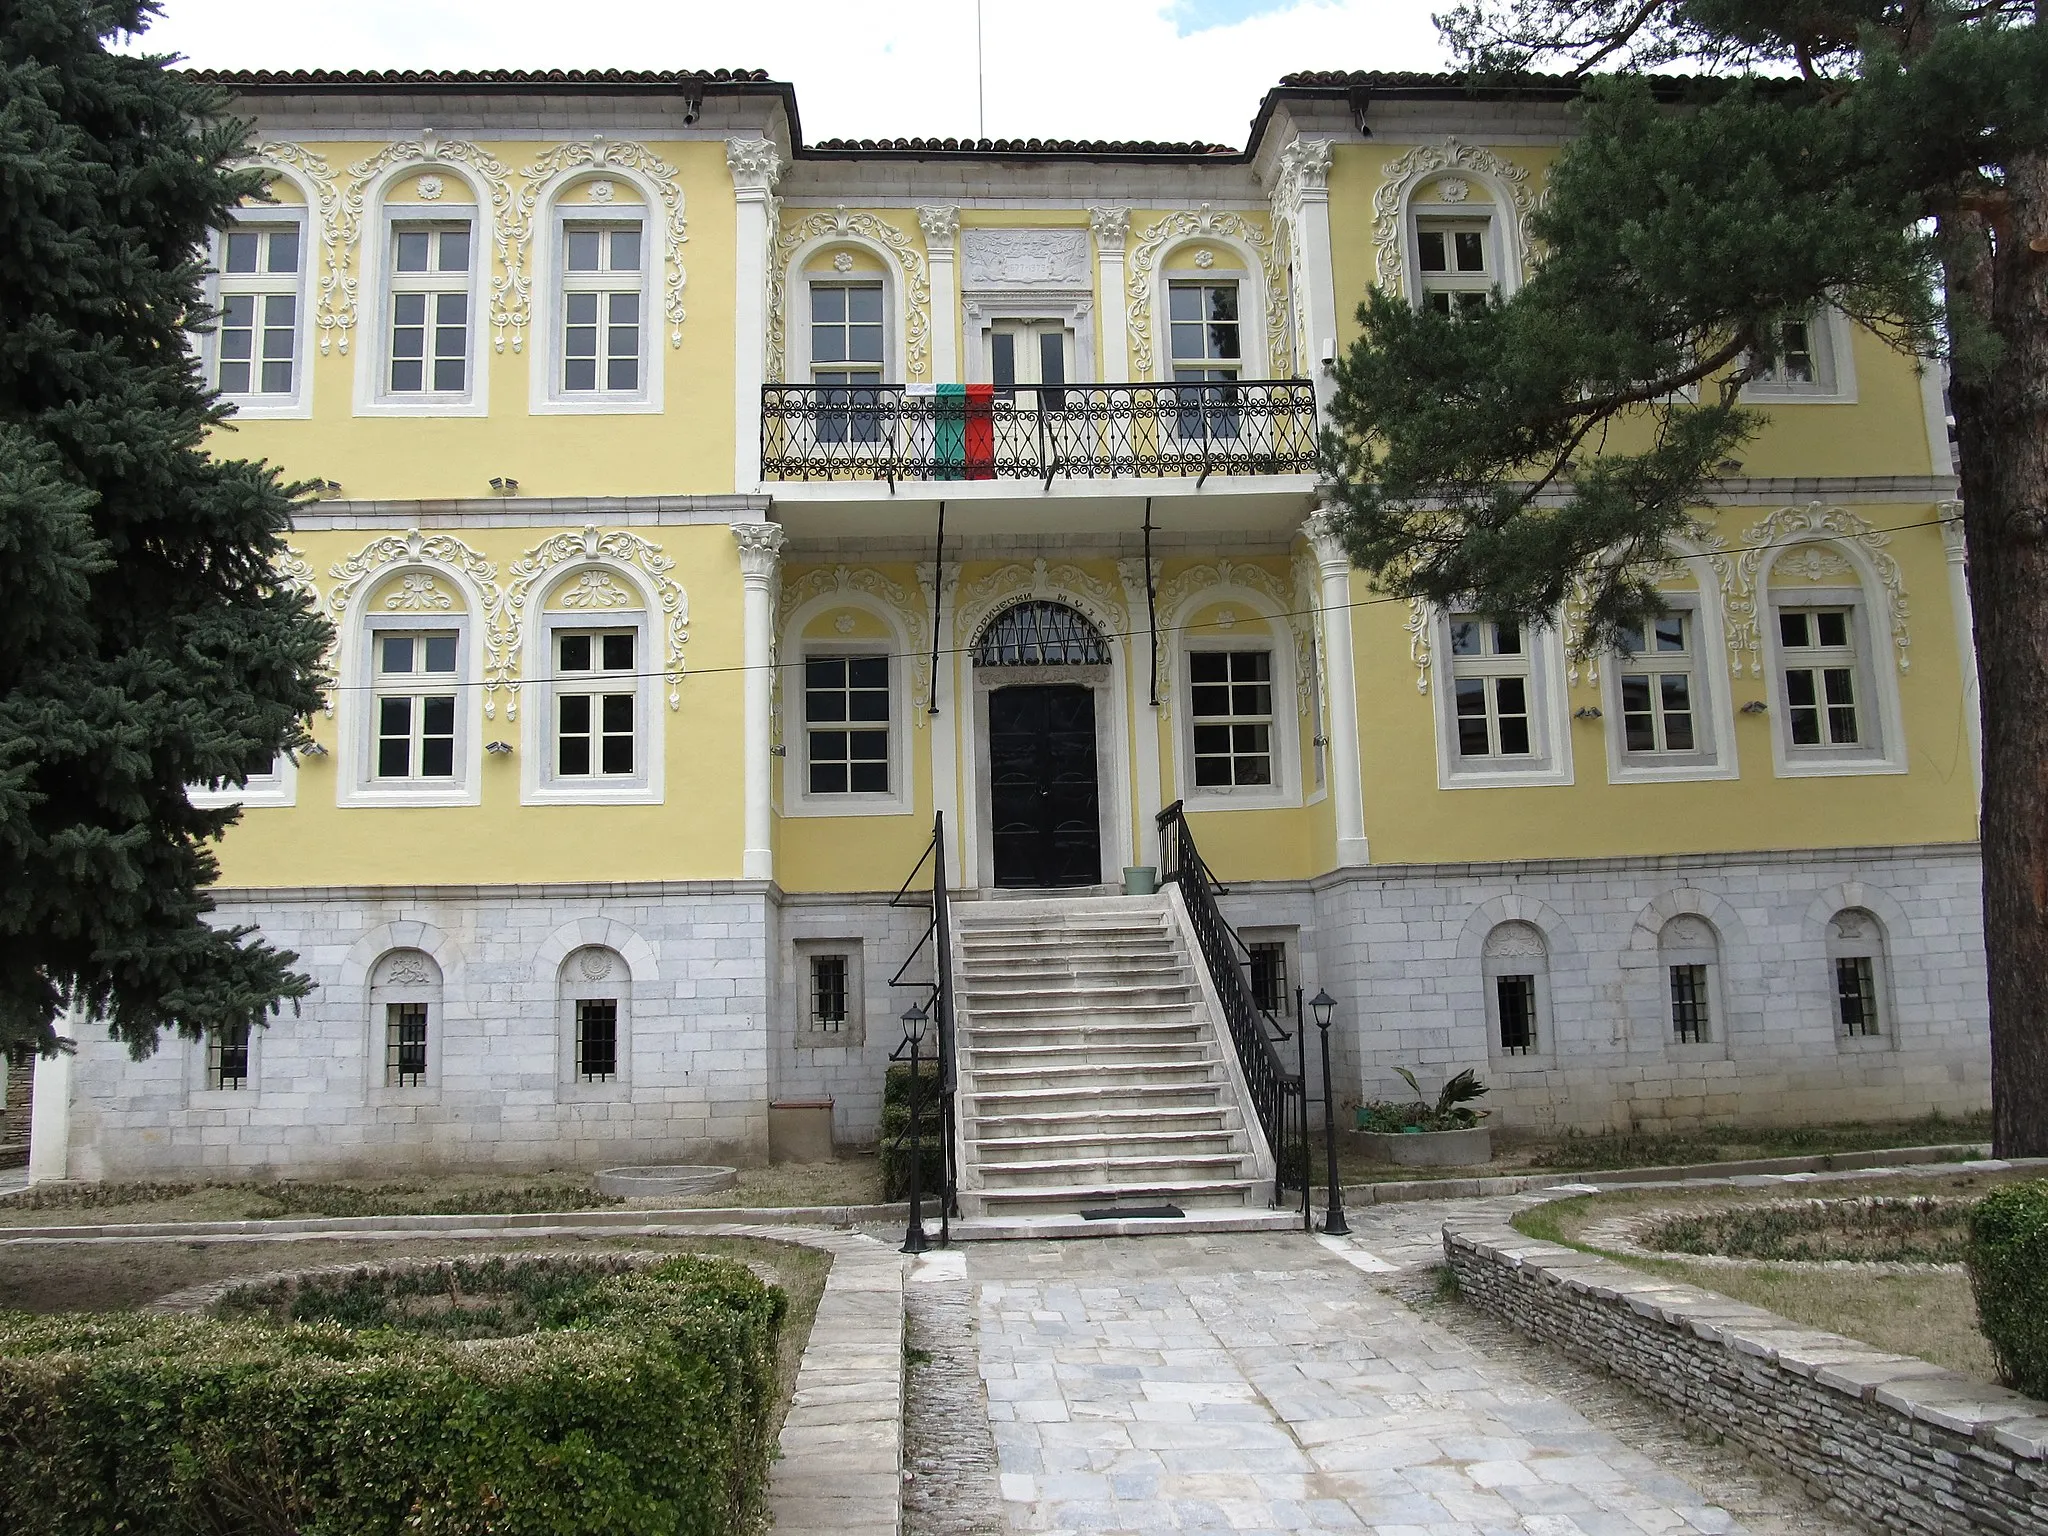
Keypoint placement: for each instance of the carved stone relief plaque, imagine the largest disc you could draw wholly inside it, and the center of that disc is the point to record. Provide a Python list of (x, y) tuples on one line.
[(1025, 258)]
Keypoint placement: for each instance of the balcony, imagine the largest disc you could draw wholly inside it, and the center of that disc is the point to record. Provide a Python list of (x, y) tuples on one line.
[(1046, 433)]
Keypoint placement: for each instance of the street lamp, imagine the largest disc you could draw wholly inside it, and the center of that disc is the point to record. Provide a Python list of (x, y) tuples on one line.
[(914, 1240), (1324, 1007)]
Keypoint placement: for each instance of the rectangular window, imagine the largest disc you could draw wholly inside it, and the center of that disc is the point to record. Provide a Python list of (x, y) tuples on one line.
[(258, 339), (227, 1057), (1232, 709), (1490, 682), (1658, 696), (1804, 364), (1856, 995), (415, 704), (1456, 269), (828, 994), (846, 724), (1819, 655), (597, 703), (597, 1039), (846, 360), (1516, 998), (1689, 1020), (430, 309), (601, 305), (1268, 965), (405, 1045), (1208, 355)]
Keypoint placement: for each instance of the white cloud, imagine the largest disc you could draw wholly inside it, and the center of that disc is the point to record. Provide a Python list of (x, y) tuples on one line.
[(1055, 68)]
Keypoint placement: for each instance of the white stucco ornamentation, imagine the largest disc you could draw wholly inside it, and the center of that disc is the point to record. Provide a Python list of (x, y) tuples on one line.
[(1195, 223), (1187, 585), (324, 199), (615, 547), (1025, 258), (1111, 226), (448, 553), (1417, 627), (418, 592), (1389, 204), (915, 292), (940, 223), (1810, 531), (912, 613)]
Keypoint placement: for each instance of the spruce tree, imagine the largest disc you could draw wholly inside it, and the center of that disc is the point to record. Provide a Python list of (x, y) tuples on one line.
[(144, 644), (1887, 157)]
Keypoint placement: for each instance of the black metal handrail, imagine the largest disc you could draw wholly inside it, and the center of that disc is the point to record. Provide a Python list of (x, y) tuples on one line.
[(938, 998), (1279, 1097), (1038, 431)]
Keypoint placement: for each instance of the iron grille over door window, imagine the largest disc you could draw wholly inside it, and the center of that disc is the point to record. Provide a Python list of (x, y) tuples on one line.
[(1856, 993), (1516, 996), (1040, 635), (1689, 1022), (405, 1045), (1269, 976), (828, 994), (597, 1039)]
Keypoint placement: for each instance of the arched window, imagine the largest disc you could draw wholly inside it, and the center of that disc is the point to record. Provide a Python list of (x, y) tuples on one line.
[(425, 260), (1040, 634), (1825, 610), (600, 259), (1856, 966), (1516, 966), (596, 991), (1461, 247), (405, 1018), (1689, 950), (414, 721)]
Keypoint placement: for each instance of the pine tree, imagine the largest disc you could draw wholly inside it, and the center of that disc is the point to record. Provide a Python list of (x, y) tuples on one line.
[(1888, 157), (144, 644)]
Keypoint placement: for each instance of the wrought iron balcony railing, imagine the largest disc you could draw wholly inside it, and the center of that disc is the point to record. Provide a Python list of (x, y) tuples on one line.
[(1037, 431)]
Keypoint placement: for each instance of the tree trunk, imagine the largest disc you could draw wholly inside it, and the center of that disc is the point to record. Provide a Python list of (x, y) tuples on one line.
[(2002, 428)]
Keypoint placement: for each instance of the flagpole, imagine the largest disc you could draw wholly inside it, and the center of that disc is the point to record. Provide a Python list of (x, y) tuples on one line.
[(980, 80)]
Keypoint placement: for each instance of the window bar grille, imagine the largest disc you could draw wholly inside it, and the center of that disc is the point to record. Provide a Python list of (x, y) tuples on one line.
[(227, 1057), (597, 1039), (1856, 987), (405, 1045), (1516, 996), (828, 993), (1689, 1003)]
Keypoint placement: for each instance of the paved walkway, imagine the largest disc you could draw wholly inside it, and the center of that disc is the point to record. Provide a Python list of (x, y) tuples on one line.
[(1260, 1383)]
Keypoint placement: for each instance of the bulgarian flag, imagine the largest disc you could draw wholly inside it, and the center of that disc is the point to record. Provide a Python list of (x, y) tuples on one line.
[(963, 430)]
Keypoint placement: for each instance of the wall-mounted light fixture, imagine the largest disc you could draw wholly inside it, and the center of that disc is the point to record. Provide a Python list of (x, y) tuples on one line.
[(498, 748), (1586, 712), (312, 749), (504, 485), (326, 490), (1755, 707)]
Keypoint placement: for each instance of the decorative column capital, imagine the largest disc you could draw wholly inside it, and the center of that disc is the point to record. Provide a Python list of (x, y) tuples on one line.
[(760, 550), (1112, 228), (1324, 537), (1304, 174), (940, 226), (1952, 539), (756, 166)]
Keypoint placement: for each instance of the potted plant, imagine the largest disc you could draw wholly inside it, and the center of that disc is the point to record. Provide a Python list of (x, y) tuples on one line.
[(1418, 1134)]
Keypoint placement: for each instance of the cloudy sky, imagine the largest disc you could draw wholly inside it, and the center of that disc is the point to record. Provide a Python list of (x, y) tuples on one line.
[(1158, 69)]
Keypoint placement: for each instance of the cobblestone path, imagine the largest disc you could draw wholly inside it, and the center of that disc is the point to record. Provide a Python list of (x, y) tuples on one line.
[(1249, 1383)]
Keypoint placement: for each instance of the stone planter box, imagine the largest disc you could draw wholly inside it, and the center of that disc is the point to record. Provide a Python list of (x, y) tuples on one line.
[(1430, 1149)]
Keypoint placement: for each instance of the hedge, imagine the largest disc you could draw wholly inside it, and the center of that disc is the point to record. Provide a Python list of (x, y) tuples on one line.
[(931, 1131), (647, 1413), (2008, 1262)]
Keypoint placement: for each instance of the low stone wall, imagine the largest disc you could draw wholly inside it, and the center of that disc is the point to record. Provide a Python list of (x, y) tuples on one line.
[(1886, 1440)]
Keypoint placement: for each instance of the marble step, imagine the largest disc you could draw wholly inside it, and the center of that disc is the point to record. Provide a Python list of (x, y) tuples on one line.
[(1102, 1074), (1106, 1120), (993, 1151), (1189, 1194), (1111, 1172), (987, 1102)]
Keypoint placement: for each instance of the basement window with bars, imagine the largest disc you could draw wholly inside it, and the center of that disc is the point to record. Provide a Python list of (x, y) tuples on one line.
[(405, 1045), (1690, 1011), (1267, 961), (828, 994), (1516, 969), (1516, 998), (597, 1039), (227, 1058), (1856, 953), (828, 982)]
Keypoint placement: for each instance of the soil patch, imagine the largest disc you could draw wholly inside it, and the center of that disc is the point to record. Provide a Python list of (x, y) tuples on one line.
[(1883, 1229)]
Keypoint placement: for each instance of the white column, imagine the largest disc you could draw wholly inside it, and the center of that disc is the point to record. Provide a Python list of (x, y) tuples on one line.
[(760, 560), (941, 228), (49, 1120), (1951, 513), (936, 584), (1145, 717), (756, 164), (1301, 198), (1345, 780), (1112, 228)]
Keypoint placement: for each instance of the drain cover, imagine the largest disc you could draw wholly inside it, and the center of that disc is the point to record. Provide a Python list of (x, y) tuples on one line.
[(1127, 1212)]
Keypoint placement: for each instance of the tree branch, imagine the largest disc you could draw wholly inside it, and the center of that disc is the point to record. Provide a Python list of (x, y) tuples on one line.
[(1657, 389), (1619, 40)]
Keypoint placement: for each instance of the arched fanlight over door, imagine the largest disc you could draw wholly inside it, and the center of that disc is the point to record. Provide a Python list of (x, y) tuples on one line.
[(1040, 634)]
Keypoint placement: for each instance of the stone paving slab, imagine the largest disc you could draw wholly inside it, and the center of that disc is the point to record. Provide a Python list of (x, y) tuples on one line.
[(1257, 1382)]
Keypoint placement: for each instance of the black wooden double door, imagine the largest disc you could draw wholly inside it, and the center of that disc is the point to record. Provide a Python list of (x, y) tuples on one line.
[(1042, 792)]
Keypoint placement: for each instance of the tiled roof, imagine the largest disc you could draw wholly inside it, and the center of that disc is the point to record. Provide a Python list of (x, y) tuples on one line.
[(542, 77), (1021, 147)]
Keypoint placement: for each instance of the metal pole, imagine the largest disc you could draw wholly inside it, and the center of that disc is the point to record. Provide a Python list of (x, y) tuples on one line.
[(914, 1240), (1333, 1217), (1308, 1220)]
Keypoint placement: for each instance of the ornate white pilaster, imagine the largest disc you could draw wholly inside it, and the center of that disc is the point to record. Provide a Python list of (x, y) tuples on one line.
[(1145, 717), (756, 166), (1346, 800), (1952, 540), (937, 583), (1112, 228), (1301, 203), (941, 228), (760, 562)]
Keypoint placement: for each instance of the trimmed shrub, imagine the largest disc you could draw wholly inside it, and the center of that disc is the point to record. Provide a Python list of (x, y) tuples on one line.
[(931, 1130), (644, 1409), (2008, 1261)]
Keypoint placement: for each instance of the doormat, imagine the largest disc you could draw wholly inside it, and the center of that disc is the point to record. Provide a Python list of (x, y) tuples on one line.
[(1127, 1212)]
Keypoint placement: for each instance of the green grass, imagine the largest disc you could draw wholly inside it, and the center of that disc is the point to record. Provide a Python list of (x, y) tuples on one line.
[(253, 1201), (1728, 1143), (1910, 1231)]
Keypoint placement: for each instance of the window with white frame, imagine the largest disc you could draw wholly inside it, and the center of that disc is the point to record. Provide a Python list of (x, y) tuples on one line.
[(1492, 696), (1661, 692), (1690, 953), (1454, 259), (847, 360), (603, 304), (430, 330), (596, 705), (595, 990), (1805, 361), (1856, 965), (1515, 968), (1031, 352), (256, 341), (1824, 694), (1207, 354), (414, 688), (1231, 710), (846, 724)]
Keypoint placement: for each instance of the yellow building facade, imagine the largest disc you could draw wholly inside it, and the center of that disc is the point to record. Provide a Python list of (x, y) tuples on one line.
[(705, 514)]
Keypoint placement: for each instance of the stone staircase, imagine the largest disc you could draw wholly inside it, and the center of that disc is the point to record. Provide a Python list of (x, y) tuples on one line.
[(1093, 1072)]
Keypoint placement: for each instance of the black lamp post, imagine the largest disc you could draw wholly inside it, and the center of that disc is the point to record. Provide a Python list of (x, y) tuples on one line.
[(914, 1240), (1324, 1006)]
